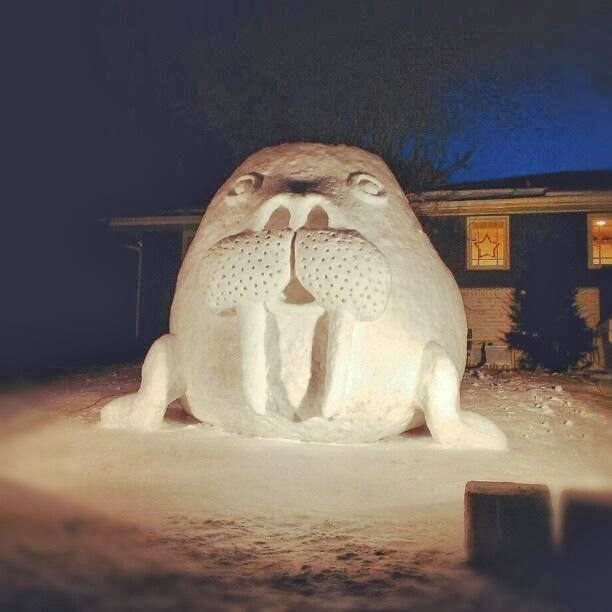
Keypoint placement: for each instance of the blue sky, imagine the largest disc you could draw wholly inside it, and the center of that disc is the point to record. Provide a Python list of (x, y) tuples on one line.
[(559, 96), (572, 131)]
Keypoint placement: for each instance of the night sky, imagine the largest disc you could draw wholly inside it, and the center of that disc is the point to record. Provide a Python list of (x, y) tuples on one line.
[(102, 119)]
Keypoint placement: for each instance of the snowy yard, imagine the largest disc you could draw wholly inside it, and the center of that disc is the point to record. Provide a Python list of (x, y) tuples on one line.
[(191, 518)]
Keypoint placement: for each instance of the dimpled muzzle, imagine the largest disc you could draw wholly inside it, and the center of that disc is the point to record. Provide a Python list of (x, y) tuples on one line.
[(343, 271), (339, 268), (252, 266)]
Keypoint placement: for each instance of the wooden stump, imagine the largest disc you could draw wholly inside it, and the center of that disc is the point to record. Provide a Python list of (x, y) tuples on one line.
[(507, 521)]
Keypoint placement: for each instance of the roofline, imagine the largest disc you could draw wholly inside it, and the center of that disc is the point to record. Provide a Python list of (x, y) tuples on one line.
[(552, 202), (158, 220), (451, 204), (481, 194)]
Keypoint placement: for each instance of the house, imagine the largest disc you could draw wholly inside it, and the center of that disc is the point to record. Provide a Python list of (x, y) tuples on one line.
[(487, 233)]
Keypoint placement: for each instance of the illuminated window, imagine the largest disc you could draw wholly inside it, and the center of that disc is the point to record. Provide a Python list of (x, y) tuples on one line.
[(600, 240), (488, 245)]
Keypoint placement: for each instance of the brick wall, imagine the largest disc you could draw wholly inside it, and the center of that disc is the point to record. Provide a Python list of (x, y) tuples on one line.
[(488, 313), (588, 304)]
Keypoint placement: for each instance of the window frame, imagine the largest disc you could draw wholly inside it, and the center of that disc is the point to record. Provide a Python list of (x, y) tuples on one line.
[(590, 216), (468, 243)]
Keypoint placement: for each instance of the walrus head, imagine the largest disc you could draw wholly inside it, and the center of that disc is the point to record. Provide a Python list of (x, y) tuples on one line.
[(301, 253)]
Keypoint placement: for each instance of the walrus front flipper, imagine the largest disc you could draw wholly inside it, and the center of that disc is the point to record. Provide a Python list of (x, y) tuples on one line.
[(439, 399), (161, 384)]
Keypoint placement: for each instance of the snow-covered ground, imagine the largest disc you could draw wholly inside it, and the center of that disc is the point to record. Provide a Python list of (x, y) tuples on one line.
[(191, 518)]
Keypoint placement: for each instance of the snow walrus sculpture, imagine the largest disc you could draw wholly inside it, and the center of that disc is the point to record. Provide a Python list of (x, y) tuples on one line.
[(311, 305)]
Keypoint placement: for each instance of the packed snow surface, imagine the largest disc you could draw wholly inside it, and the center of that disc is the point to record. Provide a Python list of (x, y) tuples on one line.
[(188, 517)]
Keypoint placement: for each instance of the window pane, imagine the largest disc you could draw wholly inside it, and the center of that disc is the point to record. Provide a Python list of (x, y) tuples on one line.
[(601, 240), (487, 242)]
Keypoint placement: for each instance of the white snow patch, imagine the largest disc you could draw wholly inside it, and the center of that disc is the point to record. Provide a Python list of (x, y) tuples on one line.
[(189, 514)]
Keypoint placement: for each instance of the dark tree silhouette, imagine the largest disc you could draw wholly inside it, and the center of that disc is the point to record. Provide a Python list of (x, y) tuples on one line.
[(403, 79), (546, 325), (352, 73)]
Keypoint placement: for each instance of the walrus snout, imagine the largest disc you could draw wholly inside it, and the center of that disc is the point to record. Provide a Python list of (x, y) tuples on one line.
[(338, 268)]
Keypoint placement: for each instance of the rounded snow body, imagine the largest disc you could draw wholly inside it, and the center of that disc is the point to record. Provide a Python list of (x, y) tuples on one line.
[(306, 300)]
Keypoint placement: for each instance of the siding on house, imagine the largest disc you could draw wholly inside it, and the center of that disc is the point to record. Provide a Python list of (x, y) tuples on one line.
[(567, 232), (487, 310), (546, 225), (588, 301)]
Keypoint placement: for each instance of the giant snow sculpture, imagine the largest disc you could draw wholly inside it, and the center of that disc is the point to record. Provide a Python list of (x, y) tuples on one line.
[(311, 305)]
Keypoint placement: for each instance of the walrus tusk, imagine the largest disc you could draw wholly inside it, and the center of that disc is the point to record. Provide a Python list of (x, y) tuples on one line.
[(339, 344), (253, 356)]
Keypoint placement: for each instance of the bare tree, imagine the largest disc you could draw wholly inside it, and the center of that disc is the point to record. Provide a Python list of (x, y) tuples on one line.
[(402, 79), (347, 74)]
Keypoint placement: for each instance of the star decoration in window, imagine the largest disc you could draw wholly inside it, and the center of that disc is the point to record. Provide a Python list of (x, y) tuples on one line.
[(486, 247)]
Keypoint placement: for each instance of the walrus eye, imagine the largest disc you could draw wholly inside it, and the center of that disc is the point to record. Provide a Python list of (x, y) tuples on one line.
[(248, 183), (367, 187)]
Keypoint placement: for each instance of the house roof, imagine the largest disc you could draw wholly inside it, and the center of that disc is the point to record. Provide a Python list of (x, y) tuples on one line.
[(470, 202), (572, 191)]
